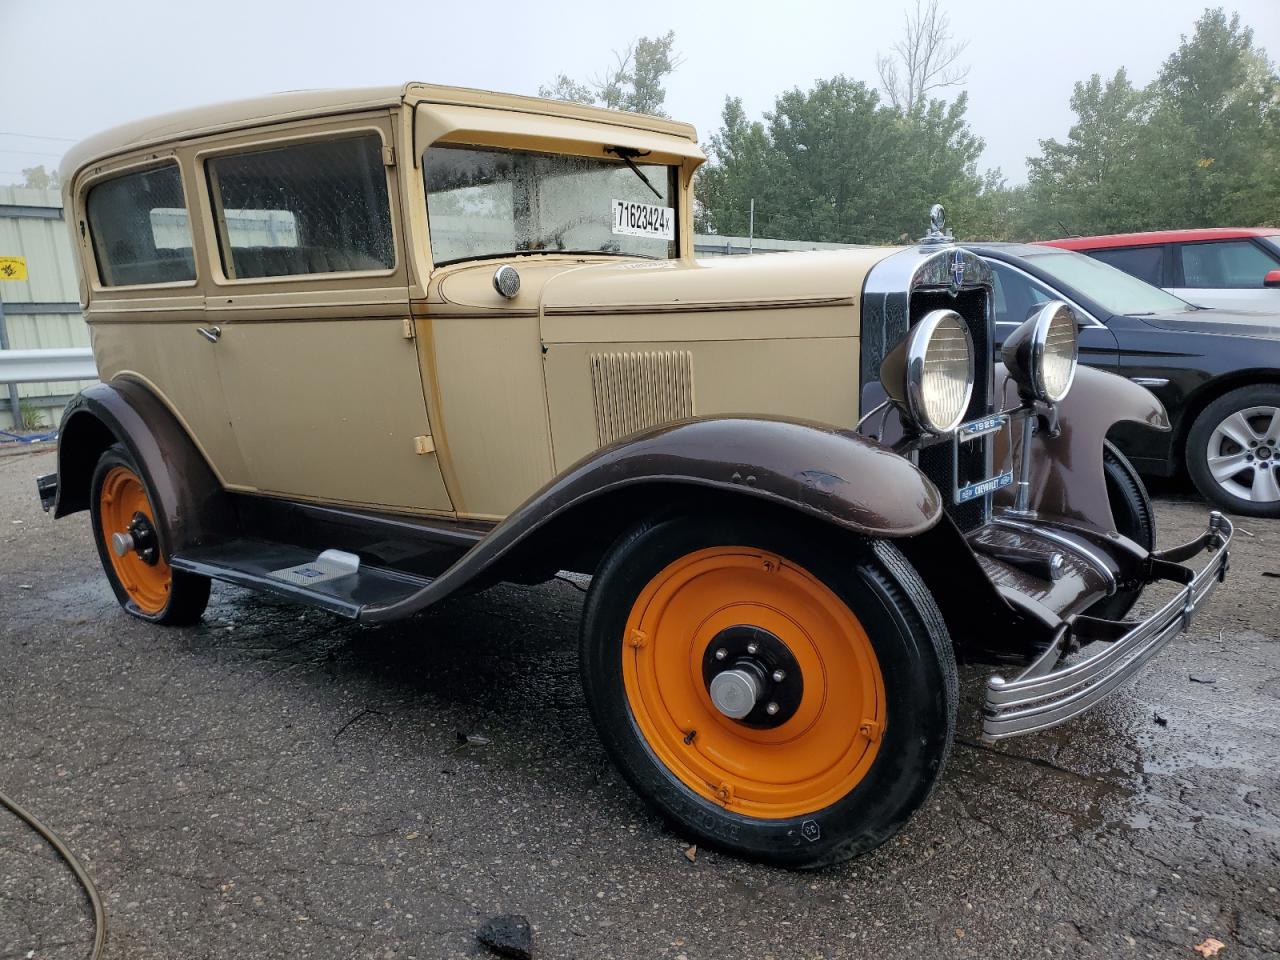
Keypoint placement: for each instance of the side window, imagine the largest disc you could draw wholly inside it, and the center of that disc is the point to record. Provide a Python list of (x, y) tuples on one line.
[(140, 230), (1015, 294), (1224, 264), (1145, 263), (306, 209)]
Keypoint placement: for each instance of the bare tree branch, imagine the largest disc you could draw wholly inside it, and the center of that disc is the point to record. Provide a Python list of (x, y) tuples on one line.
[(928, 56)]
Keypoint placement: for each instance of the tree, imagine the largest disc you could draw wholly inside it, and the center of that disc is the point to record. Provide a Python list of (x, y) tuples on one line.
[(635, 82), (1200, 146), (1096, 181), (835, 164), (1220, 108), (928, 57), (39, 178)]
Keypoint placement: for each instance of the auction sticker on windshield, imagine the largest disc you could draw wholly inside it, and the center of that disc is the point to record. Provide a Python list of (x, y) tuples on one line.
[(643, 220)]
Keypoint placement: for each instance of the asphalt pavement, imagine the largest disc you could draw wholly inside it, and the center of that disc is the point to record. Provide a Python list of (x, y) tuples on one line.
[(276, 783)]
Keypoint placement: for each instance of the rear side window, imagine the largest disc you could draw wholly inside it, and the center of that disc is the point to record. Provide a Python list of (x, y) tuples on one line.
[(1224, 264), (1145, 263), (140, 230), (306, 209)]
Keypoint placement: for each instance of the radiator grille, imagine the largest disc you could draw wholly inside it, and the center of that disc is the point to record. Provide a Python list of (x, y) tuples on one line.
[(633, 391), (935, 461)]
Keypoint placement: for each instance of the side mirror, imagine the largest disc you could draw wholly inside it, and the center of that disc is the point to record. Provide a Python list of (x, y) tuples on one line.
[(1272, 279)]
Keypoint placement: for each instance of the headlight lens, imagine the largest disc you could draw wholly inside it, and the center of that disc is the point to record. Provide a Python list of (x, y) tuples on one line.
[(1041, 354), (938, 379), (1058, 359)]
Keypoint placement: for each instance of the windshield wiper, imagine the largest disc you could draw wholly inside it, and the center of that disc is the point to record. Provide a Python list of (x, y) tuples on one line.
[(627, 155)]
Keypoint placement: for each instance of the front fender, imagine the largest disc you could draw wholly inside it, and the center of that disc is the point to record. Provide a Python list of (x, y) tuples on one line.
[(835, 476), (1066, 477)]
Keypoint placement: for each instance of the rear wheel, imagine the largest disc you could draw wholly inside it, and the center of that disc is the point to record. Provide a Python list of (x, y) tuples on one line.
[(124, 527), (771, 690), (1233, 451)]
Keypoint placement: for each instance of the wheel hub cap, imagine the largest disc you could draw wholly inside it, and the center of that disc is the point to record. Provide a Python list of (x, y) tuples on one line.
[(735, 692), (752, 677), (1242, 454)]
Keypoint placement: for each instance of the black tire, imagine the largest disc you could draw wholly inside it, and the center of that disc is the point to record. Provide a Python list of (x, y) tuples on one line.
[(187, 594), (1134, 517), (1223, 491), (877, 584)]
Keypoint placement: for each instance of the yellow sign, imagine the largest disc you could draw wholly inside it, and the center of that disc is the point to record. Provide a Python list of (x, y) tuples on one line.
[(13, 268)]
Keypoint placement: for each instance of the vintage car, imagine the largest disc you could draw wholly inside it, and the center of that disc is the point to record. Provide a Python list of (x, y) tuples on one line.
[(368, 349)]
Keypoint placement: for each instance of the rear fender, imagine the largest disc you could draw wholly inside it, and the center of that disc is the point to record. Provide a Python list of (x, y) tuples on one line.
[(185, 494), (1066, 474), (843, 480)]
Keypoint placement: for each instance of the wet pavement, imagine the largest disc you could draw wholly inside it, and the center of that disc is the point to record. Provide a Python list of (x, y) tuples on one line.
[(277, 783)]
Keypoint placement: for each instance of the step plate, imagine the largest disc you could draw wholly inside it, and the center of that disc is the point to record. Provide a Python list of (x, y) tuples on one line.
[(263, 565)]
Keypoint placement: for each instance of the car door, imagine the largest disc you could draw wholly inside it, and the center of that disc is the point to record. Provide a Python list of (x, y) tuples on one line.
[(316, 349), (1225, 273), (1017, 294)]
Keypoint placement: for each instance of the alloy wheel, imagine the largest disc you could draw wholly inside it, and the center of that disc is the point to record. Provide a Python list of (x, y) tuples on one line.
[(1243, 454)]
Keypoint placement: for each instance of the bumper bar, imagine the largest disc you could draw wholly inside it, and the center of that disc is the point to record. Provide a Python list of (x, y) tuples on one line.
[(1042, 697)]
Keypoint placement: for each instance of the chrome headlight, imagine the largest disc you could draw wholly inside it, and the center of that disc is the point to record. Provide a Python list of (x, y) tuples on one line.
[(1041, 354), (930, 374)]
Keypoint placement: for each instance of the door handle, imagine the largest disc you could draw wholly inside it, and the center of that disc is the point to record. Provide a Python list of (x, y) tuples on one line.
[(210, 333)]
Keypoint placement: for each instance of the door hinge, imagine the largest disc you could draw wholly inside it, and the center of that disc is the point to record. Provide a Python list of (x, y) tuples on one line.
[(424, 445), (388, 156), (408, 328)]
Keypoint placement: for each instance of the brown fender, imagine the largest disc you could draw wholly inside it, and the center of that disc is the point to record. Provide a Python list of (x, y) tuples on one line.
[(1066, 470), (831, 475), (184, 491)]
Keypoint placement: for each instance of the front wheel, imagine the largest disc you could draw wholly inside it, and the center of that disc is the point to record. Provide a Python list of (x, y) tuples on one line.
[(772, 690), (1233, 451), (1134, 518)]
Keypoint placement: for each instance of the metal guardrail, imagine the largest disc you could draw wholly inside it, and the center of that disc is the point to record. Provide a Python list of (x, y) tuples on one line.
[(47, 366)]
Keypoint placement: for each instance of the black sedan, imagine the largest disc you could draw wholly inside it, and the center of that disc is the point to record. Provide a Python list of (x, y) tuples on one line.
[(1216, 371)]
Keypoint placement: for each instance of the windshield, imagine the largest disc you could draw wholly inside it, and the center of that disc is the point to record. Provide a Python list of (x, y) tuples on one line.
[(1113, 289), (489, 202)]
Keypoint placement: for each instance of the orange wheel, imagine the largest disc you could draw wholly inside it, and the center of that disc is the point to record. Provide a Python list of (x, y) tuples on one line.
[(729, 622), (127, 535), (128, 527), (773, 687)]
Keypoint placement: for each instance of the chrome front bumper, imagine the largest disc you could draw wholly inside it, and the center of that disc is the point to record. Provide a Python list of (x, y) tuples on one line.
[(1042, 697)]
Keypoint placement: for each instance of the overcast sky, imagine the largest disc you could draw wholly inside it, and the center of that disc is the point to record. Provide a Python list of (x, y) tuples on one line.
[(69, 68)]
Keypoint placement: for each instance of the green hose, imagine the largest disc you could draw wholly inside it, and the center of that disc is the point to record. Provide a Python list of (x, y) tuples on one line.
[(99, 918)]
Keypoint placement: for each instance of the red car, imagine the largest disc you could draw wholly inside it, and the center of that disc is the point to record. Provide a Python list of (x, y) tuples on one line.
[(1233, 267)]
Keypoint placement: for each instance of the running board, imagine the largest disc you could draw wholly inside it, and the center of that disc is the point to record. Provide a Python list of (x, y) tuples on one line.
[(332, 580)]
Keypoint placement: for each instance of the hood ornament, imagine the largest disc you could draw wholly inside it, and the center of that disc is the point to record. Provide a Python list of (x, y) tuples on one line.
[(938, 232)]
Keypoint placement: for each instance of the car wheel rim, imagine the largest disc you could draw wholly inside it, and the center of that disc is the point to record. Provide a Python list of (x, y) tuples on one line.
[(814, 731), (1243, 454), (128, 530)]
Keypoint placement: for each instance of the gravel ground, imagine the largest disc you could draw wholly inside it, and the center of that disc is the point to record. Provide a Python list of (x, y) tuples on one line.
[(277, 783)]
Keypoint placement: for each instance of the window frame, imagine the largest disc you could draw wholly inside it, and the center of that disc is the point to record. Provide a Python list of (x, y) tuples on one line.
[(1166, 260), (675, 172), (128, 168), (1181, 275), (217, 233)]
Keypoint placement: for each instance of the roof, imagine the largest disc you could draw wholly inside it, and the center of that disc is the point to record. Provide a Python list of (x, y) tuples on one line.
[(1161, 236), (299, 104)]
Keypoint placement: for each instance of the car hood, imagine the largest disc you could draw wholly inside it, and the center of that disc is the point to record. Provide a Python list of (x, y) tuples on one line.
[(1224, 323), (775, 279)]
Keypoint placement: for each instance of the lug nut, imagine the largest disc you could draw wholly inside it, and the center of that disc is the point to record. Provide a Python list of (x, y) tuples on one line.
[(771, 709), (779, 676), (721, 653), (753, 647), (1253, 443)]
